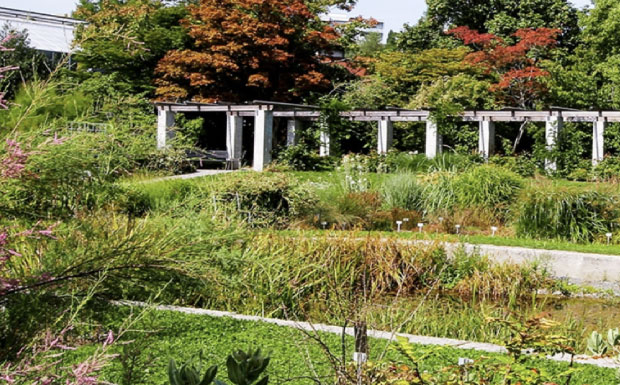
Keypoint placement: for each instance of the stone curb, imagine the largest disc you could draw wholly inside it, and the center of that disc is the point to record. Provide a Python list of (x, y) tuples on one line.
[(419, 340)]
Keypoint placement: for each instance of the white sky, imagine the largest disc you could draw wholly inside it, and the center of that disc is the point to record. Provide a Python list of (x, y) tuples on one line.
[(394, 13)]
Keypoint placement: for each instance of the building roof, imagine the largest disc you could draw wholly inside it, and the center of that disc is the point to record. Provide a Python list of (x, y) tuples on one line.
[(45, 32)]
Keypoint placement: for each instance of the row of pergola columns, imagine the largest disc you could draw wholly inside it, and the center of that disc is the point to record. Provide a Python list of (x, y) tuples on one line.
[(263, 135), (486, 139)]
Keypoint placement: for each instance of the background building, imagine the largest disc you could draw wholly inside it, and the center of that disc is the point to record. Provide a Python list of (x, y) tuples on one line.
[(52, 35), (338, 19)]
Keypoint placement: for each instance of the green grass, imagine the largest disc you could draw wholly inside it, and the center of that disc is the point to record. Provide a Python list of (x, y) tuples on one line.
[(182, 336)]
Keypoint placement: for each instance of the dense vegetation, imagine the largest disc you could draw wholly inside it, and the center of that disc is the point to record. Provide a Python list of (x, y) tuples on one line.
[(84, 220)]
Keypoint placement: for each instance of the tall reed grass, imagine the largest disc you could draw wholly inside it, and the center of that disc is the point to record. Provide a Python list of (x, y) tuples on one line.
[(569, 213), (488, 188)]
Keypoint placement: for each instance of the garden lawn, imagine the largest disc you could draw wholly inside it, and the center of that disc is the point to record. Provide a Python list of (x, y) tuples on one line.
[(181, 336)]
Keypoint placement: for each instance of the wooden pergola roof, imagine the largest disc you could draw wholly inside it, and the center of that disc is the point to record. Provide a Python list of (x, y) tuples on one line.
[(306, 112)]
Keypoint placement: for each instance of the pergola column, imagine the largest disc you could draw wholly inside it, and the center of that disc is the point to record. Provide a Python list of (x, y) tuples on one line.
[(325, 141), (386, 135), (553, 126), (293, 127), (165, 120), (598, 141), (263, 139), (486, 138), (234, 140), (433, 140)]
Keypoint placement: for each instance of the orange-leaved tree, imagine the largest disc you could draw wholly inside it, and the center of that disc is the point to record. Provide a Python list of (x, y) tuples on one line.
[(519, 79), (246, 50)]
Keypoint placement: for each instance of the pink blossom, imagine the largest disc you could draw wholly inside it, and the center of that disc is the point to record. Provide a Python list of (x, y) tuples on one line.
[(14, 163), (3, 48), (109, 340), (58, 140)]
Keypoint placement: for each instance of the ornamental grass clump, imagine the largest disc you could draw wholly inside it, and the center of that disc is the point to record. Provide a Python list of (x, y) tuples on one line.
[(487, 187), (403, 191), (573, 214)]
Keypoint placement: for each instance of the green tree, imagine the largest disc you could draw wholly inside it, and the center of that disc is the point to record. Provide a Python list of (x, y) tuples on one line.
[(30, 62), (129, 38), (370, 45), (397, 77), (598, 61), (500, 17)]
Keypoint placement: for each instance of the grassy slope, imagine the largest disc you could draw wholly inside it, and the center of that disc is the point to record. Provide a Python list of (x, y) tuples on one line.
[(182, 336)]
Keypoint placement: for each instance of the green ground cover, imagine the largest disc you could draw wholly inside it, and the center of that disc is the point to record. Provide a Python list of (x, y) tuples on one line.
[(162, 335)]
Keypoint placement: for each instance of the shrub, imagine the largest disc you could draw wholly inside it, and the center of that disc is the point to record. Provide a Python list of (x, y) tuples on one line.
[(549, 211), (267, 198), (608, 169), (302, 157), (523, 165), (270, 197)]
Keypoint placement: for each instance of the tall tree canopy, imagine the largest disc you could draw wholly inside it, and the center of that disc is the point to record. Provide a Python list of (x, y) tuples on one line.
[(500, 17), (128, 38), (248, 49), (518, 79)]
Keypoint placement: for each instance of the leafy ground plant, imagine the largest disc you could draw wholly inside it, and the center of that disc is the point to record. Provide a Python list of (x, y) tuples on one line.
[(244, 368)]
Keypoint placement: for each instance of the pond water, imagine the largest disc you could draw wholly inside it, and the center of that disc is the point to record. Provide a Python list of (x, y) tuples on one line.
[(449, 316)]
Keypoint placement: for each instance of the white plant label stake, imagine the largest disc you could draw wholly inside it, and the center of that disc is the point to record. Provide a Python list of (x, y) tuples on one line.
[(458, 229), (609, 235), (398, 224), (420, 227), (493, 230), (324, 224)]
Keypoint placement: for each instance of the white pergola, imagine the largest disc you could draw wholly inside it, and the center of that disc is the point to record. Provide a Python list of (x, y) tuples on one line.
[(264, 113)]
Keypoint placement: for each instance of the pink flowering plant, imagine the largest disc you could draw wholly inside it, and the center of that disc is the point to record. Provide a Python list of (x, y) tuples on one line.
[(3, 70), (42, 362), (22, 260), (13, 261)]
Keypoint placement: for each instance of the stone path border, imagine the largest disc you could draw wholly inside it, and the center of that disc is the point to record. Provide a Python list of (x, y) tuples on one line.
[(197, 174), (420, 340)]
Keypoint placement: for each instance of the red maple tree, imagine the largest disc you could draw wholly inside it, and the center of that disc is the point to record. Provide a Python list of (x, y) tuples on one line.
[(518, 77), (247, 49)]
